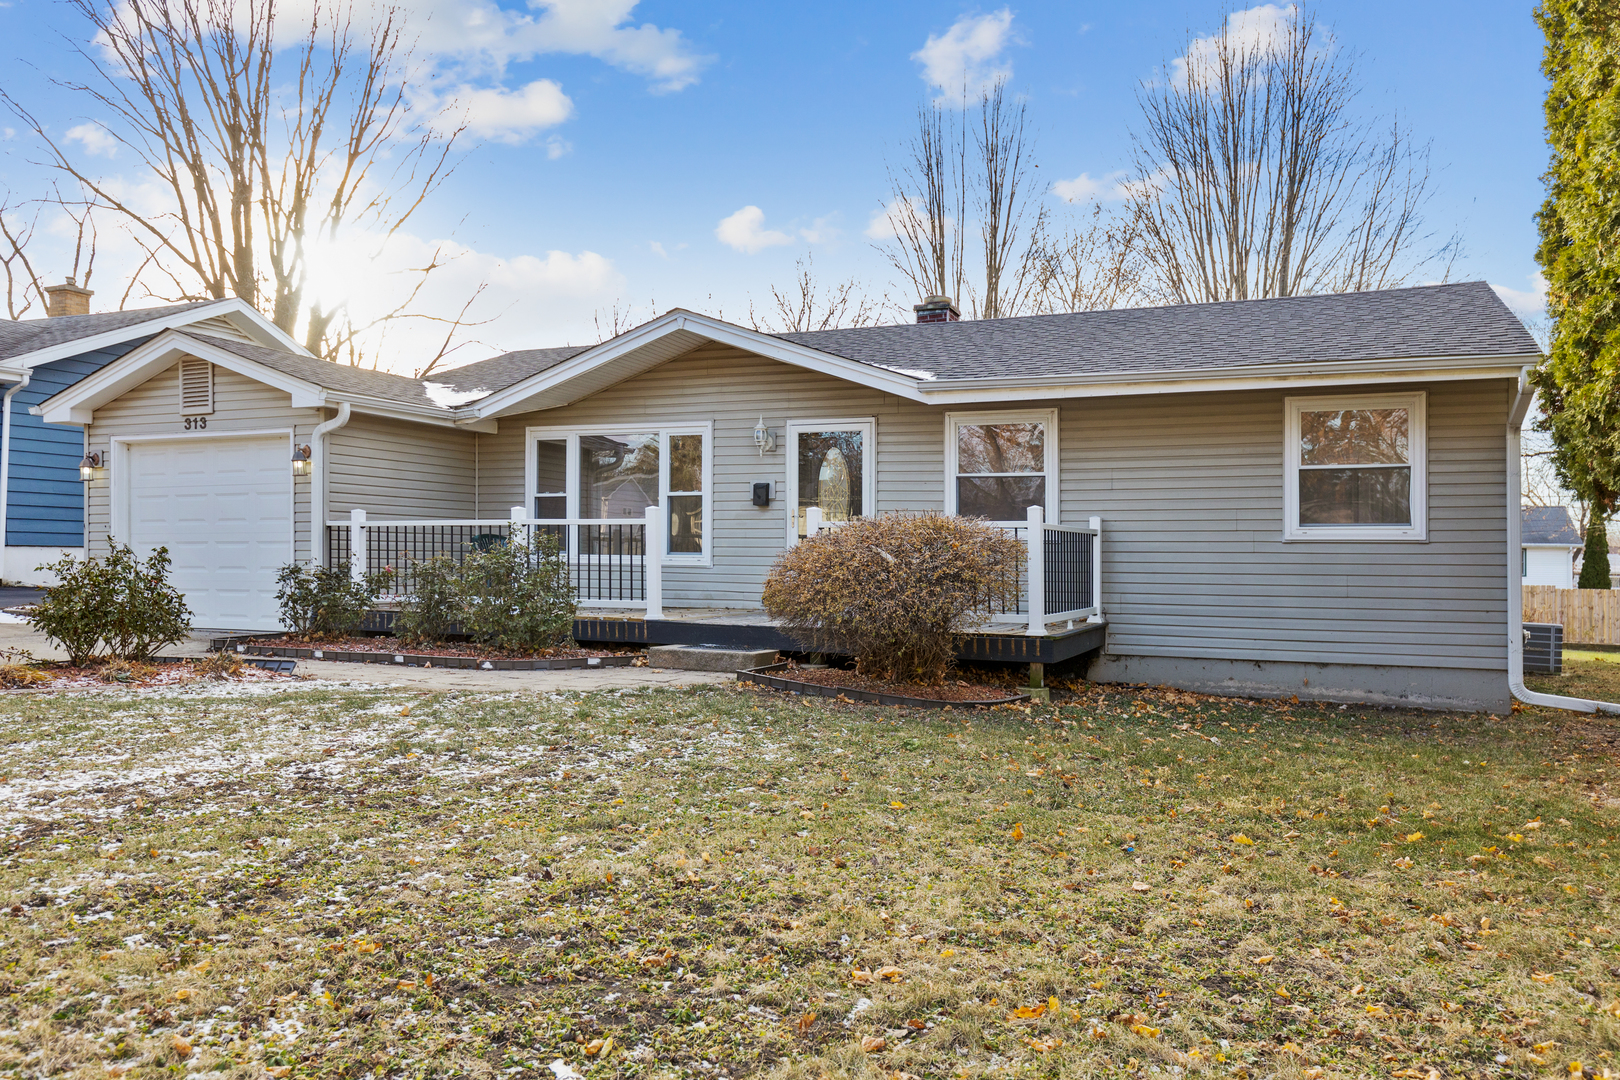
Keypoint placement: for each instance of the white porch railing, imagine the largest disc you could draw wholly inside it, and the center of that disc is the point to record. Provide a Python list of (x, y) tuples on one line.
[(607, 560), (1062, 570)]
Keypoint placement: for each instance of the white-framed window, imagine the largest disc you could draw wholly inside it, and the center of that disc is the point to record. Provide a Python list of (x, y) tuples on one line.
[(999, 464), (613, 473), (831, 464), (1356, 467)]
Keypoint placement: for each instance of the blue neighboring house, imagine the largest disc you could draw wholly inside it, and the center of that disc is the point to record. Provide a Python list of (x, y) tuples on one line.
[(41, 494)]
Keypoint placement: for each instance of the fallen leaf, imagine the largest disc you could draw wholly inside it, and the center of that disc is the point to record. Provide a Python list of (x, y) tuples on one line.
[(862, 976), (1268, 958), (897, 806), (1041, 1046), (407, 984), (1139, 886), (1412, 838), (917, 1025), (947, 953), (1145, 1031), (367, 947), (279, 1071), (804, 1023), (1543, 977), (1028, 1012), (871, 1044), (182, 1045), (1017, 831), (181, 995), (1239, 838), (890, 972)]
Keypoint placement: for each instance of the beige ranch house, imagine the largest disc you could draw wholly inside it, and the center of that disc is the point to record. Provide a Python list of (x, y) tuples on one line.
[(1314, 495)]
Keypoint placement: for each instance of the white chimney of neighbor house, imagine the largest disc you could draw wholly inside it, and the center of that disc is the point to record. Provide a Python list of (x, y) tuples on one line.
[(68, 299), (937, 309)]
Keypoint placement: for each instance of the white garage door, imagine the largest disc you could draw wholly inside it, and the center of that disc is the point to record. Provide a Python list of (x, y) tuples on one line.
[(223, 508)]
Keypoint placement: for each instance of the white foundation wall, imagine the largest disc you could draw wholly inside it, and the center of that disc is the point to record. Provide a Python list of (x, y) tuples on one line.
[(20, 565)]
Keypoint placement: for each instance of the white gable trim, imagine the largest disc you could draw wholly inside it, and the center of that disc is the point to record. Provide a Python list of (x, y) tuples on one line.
[(622, 349), (78, 403), (242, 315)]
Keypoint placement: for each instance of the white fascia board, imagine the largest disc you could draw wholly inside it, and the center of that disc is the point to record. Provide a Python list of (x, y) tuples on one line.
[(246, 319), (78, 403), (722, 332), (393, 410), (1260, 376)]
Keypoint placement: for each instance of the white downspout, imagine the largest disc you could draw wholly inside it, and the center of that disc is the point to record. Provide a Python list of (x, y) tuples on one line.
[(5, 465), (317, 483), (1515, 582)]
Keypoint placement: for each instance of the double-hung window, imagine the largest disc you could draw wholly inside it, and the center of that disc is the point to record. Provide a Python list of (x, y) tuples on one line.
[(1356, 468), (1000, 464), (613, 474)]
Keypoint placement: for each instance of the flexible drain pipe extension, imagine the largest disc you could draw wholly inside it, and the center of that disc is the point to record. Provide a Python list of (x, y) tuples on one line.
[(1516, 584), (317, 481), (5, 463)]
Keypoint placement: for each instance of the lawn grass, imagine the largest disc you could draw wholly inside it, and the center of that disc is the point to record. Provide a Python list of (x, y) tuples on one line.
[(1591, 675), (360, 882)]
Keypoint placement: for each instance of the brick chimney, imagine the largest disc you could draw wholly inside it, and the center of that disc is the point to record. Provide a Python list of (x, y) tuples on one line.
[(937, 309), (68, 299)]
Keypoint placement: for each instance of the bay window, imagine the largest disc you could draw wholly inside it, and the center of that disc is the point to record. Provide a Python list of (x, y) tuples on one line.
[(1356, 468), (613, 474)]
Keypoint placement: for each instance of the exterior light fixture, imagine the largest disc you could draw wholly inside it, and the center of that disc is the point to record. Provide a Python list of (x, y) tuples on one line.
[(764, 437), (88, 465), (300, 460)]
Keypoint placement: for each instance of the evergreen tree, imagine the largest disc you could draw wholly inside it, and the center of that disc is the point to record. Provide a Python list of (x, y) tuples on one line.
[(1579, 253), (1595, 562)]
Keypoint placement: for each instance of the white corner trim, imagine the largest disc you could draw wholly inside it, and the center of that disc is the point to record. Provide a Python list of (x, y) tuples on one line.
[(1416, 404)]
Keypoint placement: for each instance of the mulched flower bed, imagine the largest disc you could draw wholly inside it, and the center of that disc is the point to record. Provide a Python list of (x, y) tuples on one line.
[(832, 682), (58, 675), (450, 654)]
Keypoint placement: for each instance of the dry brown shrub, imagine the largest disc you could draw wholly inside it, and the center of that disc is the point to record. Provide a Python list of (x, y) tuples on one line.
[(897, 593), (220, 665), (15, 675)]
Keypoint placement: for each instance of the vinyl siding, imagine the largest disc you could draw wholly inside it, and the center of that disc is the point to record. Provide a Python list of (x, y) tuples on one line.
[(396, 469), (46, 497), (734, 389), (1190, 491), (1189, 488), (153, 408)]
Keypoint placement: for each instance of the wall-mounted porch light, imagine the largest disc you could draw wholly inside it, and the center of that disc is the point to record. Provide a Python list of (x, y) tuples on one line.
[(764, 437), (88, 465), (300, 460)]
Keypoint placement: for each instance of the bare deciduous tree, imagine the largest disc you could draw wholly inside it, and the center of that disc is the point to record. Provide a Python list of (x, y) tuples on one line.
[(265, 151), (25, 289), (956, 166), (1094, 265), (1254, 177), (806, 306)]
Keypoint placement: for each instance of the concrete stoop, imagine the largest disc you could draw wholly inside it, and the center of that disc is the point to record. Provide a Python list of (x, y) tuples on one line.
[(708, 657)]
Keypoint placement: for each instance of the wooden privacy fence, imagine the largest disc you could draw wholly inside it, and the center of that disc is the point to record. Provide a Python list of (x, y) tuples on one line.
[(1588, 616)]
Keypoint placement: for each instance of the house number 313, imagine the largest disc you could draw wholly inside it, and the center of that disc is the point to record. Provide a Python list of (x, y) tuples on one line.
[(196, 423)]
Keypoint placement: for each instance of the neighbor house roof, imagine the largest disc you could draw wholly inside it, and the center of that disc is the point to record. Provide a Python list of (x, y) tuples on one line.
[(1432, 321), (1548, 525), (499, 372), (342, 378), (38, 341)]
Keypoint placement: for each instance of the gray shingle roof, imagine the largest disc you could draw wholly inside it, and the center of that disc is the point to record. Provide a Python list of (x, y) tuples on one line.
[(324, 373), (499, 372), (31, 335), (1466, 319), (1548, 525)]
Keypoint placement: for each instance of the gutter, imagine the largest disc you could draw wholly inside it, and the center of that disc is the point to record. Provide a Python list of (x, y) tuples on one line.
[(1515, 616), (5, 462), (317, 481)]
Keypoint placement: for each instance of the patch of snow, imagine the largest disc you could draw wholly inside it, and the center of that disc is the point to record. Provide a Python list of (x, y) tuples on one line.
[(564, 1071), (914, 373), (448, 397)]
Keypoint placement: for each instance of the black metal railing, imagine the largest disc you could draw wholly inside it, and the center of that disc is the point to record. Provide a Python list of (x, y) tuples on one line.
[(1068, 577), (606, 562)]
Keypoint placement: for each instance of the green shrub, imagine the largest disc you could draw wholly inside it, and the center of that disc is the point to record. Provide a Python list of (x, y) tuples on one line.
[(120, 602), (324, 602), (432, 610), (897, 593), (517, 596), (1595, 561)]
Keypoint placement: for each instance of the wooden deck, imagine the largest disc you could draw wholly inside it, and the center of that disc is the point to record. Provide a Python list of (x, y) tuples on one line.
[(743, 628)]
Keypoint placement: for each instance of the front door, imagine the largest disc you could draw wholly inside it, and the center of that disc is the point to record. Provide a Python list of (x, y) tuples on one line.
[(830, 465)]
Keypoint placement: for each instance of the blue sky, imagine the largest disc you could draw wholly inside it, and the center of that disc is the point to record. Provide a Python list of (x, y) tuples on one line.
[(615, 137)]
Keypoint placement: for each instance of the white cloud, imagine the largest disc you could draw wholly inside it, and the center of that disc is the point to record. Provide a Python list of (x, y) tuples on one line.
[(657, 249), (1526, 303), (745, 231), (823, 230), (886, 222), (1085, 188), (967, 58), (512, 116), (557, 146), (1252, 30), (97, 140)]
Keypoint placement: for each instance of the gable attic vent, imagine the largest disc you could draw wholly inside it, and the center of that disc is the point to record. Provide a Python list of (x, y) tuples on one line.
[(196, 386)]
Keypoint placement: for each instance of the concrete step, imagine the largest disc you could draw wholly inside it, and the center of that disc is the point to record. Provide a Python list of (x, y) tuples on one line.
[(708, 657)]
